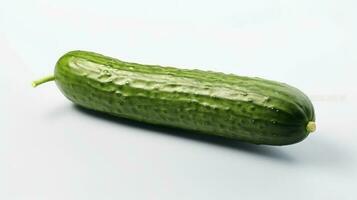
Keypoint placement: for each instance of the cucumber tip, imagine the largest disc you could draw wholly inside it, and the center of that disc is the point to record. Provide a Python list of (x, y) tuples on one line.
[(311, 127)]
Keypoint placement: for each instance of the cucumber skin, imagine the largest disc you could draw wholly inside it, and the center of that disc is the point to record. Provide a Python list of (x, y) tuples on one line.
[(249, 109)]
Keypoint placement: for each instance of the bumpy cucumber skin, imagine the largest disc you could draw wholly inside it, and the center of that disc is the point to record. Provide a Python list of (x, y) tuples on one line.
[(249, 109)]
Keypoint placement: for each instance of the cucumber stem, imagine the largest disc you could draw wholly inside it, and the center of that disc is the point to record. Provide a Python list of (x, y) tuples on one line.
[(43, 80), (311, 127)]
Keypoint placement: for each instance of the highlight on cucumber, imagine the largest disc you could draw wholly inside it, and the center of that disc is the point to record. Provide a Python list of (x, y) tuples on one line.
[(248, 109)]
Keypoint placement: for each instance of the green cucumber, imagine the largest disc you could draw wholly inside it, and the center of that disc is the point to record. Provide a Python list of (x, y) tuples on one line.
[(249, 109)]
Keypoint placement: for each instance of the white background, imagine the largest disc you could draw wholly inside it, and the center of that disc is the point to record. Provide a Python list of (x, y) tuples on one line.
[(50, 149)]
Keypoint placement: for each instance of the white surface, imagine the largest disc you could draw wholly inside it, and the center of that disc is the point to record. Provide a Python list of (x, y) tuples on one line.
[(51, 150)]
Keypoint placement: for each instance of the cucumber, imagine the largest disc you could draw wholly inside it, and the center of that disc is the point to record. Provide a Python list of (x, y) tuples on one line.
[(248, 109)]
